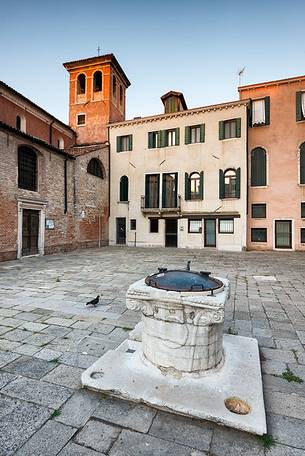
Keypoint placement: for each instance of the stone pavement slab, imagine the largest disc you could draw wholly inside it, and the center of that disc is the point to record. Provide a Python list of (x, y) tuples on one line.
[(39, 392), (97, 436), (77, 450), (79, 408), (29, 367), (67, 376), (6, 358)]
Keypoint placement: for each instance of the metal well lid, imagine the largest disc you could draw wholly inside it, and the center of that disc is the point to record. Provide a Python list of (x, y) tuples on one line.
[(183, 280)]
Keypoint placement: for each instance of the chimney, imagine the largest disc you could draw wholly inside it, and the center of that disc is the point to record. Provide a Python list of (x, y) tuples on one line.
[(173, 102)]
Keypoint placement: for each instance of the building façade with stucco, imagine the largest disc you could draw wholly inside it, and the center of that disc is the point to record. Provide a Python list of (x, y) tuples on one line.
[(179, 178)]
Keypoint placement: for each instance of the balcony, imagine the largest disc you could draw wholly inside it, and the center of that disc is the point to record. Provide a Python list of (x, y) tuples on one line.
[(160, 210)]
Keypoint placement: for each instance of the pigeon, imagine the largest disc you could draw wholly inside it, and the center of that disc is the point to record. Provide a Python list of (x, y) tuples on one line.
[(93, 302)]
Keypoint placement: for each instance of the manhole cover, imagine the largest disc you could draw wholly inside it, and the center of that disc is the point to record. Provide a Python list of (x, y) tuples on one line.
[(237, 405)]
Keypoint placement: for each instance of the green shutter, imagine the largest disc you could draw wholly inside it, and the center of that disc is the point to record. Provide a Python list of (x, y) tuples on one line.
[(130, 142), (118, 143), (164, 190), (221, 184), (299, 114), (201, 185), (237, 188), (147, 188), (221, 129), (258, 167), (238, 127), (177, 136), (150, 140), (187, 135), (124, 188), (187, 189), (302, 164), (163, 141), (202, 133), (159, 138), (267, 110)]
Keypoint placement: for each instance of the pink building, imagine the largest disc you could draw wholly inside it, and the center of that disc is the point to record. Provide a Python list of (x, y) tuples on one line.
[(276, 164)]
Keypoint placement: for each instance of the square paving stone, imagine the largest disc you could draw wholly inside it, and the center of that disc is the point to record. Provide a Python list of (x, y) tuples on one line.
[(5, 378), (8, 345), (48, 354), (34, 327), (76, 450), (98, 436), (6, 358), (228, 442), (273, 383), (39, 392), (40, 339), (132, 443), (26, 349), (28, 316), (77, 360), (17, 335), (66, 376), (126, 414), (59, 321), (281, 450), (4, 329), (19, 425), (7, 405), (56, 331), (78, 409), (285, 404), (196, 434), (48, 441), (286, 430), (29, 367)]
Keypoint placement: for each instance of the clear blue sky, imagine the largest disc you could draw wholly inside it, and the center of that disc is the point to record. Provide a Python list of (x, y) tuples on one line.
[(191, 46)]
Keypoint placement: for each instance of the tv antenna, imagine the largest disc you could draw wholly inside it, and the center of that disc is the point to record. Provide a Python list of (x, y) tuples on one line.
[(240, 74), (98, 50)]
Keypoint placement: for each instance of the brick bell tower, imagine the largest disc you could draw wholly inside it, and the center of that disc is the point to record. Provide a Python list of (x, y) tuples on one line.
[(97, 97)]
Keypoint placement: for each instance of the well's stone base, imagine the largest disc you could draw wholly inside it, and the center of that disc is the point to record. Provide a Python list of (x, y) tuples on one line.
[(122, 373)]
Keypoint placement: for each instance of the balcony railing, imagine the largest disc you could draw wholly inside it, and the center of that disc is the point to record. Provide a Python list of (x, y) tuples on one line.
[(161, 209)]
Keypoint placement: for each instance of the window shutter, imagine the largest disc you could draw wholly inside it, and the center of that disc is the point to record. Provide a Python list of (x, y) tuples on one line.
[(147, 196), (164, 190), (221, 185), (177, 136), (130, 142), (118, 143), (221, 129), (163, 139), (187, 135), (237, 188), (187, 195), (150, 140), (238, 127), (299, 115), (302, 164), (201, 185), (249, 110), (267, 110), (159, 138), (202, 133)]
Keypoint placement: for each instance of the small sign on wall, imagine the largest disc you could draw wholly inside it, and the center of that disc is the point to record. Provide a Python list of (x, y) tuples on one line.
[(50, 224)]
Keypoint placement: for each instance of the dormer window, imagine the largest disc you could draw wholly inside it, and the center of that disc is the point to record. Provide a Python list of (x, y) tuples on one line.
[(97, 81), (81, 84)]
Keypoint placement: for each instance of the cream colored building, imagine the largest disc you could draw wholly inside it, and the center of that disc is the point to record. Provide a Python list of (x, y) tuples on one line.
[(179, 178)]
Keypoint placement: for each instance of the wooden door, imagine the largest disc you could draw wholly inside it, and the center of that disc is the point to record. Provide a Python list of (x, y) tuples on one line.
[(30, 232)]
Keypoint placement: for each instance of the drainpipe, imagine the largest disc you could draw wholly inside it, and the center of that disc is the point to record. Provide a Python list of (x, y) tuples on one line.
[(51, 133), (65, 187), (109, 155), (247, 170)]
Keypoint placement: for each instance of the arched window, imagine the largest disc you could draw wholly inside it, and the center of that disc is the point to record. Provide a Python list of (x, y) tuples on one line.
[(95, 168), (258, 167), (124, 188), (18, 122), (195, 186), (302, 164), (81, 84), (114, 86), (60, 143), (27, 168), (97, 81), (229, 183)]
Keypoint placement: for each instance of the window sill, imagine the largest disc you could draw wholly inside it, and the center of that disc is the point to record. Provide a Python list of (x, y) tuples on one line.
[(123, 202), (260, 125), (230, 139), (259, 186), (300, 121)]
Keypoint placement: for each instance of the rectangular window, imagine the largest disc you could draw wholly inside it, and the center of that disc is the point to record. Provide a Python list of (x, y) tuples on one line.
[(171, 137), (195, 226), (303, 235), (81, 119), (258, 112), (154, 225), (259, 235), (258, 210), (195, 134), (303, 209), (169, 190), (124, 143), (153, 139), (300, 105), (152, 190), (226, 226), (133, 224), (230, 129)]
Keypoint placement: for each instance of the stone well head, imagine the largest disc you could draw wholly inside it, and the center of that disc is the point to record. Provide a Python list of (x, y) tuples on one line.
[(182, 314)]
